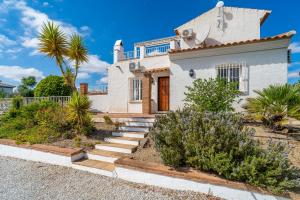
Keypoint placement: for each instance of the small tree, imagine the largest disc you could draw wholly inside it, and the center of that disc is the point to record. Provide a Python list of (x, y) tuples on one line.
[(27, 85), (212, 95), (52, 86), (56, 45)]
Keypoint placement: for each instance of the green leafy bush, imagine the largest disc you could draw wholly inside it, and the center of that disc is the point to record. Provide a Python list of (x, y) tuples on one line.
[(40, 122), (219, 143), (274, 104), (52, 86), (212, 95)]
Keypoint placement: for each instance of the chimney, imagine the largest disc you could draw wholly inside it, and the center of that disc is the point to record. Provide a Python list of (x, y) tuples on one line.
[(118, 51), (84, 88)]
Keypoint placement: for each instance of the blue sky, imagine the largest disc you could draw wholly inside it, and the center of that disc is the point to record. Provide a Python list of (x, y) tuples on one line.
[(101, 23)]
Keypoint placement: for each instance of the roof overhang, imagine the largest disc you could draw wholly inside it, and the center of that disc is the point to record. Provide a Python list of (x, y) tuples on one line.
[(266, 15), (286, 35), (157, 70)]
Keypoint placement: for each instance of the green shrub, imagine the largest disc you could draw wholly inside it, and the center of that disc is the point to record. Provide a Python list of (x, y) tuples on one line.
[(108, 120), (52, 86), (17, 103), (219, 143), (212, 95), (77, 141), (39, 122), (274, 104)]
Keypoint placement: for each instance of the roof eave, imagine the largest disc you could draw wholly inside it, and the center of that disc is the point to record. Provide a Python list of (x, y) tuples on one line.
[(264, 18), (286, 35)]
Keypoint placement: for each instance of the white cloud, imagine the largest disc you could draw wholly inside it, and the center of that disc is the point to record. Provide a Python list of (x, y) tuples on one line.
[(103, 80), (30, 43), (295, 47), (85, 30), (45, 4), (94, 65), (83, 75), (32, 21), (16, 73), (5, 41), (293, 75)]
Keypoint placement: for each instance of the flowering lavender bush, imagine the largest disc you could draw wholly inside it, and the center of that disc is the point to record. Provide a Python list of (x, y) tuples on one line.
[(221, 144)]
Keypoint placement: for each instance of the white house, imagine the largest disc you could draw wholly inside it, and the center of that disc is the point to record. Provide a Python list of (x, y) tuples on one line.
[(224, 41), (6, 88)]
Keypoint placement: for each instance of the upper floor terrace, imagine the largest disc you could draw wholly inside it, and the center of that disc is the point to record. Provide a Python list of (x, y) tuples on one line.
[(146, 49)]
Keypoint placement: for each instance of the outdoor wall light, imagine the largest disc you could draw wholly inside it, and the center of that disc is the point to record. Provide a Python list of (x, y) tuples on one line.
[(191, 73)]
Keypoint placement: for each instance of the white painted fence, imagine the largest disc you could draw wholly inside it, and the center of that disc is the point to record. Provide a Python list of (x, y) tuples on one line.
[(5, 103)]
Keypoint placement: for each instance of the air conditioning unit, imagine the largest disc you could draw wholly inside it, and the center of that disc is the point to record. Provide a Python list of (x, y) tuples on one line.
[(187, 34), (134, 66)]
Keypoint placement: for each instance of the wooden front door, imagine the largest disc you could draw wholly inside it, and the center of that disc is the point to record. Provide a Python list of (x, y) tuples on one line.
[(163, 93)]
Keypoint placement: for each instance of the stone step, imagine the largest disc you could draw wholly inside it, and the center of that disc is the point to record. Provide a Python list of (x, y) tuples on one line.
[(123, 140), (134, 128), (94, 166), (137, 123), (129, 134), (120, 148), (133, 119), (104, 156)]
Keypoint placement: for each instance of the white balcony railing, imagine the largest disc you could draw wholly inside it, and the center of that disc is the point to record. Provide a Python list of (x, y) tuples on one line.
[(157, 50), (128, 55)]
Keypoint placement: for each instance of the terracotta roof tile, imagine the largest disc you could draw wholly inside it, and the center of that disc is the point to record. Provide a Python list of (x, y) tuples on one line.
[(272, 38)]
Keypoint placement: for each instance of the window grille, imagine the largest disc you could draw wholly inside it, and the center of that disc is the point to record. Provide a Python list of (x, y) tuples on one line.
[(231, 73), (135, 89)]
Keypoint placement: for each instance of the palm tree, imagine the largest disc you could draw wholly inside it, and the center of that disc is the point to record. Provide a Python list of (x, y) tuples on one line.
[(274, 104), (56, 45), (78, 111), (53, 43), (77, 52)]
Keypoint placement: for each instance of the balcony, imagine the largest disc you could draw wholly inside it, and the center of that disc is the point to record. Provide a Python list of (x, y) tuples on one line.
[(146, 49)]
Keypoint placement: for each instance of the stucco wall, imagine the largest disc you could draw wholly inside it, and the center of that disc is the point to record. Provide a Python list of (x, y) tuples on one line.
[(239, 25), (118, 84), (267, 65), (100, 103)]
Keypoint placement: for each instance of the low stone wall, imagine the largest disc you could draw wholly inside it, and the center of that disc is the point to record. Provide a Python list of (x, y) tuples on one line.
[(40, 153), (187, 179), (140, 172)]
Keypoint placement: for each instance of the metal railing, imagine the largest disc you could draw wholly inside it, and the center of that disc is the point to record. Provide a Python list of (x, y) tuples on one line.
[(100, 89), (128, 55), (157, 50), (5, 103)]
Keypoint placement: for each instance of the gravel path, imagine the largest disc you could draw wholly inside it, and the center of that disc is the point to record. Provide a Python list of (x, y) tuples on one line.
[(22, 180)]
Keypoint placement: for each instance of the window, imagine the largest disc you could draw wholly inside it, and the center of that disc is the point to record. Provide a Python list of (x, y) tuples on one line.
[(136, 89), (230, 73)]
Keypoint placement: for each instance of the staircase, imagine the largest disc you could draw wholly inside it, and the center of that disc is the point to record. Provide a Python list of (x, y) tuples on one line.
[(122, 143)]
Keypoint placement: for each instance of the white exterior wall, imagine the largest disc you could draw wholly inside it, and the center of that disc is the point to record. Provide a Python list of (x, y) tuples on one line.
[(267, 65), (100, 103), (240, 24), (118, 84)]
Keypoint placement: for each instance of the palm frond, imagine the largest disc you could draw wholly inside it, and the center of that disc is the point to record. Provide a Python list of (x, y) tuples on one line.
[(77, 51), (53, 43)]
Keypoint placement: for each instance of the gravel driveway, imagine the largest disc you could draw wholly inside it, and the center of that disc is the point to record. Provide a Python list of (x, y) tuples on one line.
[(22, 180)]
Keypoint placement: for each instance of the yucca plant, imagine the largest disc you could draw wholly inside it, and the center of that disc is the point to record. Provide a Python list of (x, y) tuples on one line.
[(56, 45), (273, 105), (78, 112)]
